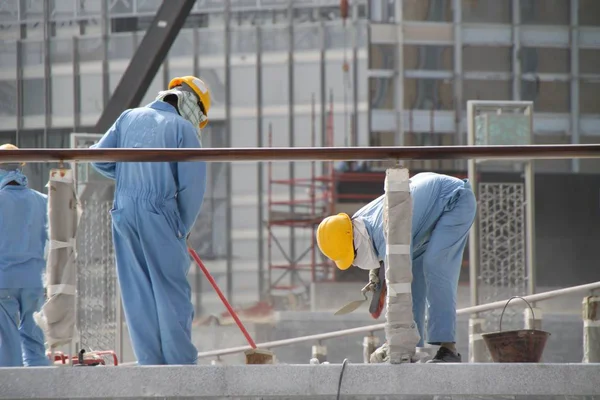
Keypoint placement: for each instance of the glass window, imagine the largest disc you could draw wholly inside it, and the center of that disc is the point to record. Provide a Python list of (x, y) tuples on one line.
[(61, 50), (308, 37), (487, 58), (545, 60), (427, 10), (381, 11), (33, 96), (90, 48), (8, 50), (491, 11), (307, 82), (382, 56), (547, 96), (589, 12), (33, 53), (545, 12), (381, 93), (487, 90), (91, 94), (428, 94), (121, 46), (243, 132), (428, 57), (8, 98), (589, 61), (243, 80), (275, 84), (62, 95), (588, 97)]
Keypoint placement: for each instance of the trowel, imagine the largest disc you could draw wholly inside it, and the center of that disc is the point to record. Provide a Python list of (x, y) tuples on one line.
[(353, 305)]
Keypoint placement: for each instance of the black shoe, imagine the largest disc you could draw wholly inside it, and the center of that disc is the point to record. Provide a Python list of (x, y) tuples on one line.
[(445, 355)]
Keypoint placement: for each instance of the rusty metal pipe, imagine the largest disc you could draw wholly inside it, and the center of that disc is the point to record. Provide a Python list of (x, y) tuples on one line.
[(306, 153)]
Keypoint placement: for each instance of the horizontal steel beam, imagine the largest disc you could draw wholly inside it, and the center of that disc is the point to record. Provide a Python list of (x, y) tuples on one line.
[(532, 152)]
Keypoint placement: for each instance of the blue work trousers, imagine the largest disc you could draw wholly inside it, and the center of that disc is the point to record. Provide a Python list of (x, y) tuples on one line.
[(436, 269), (21, 339), (152, 266)]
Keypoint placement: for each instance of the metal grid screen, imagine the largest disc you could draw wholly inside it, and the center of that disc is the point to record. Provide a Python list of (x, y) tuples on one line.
[(503, 271), (97, 280)]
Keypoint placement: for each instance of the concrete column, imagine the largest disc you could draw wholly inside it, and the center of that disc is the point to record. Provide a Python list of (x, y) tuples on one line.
[(400, 329), (533, 321), (478, 351), (591, 329), (370, 344), (319, 352)]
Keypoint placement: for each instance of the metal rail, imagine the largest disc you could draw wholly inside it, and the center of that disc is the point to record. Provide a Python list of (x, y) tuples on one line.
[(530, 152), (377, 327)]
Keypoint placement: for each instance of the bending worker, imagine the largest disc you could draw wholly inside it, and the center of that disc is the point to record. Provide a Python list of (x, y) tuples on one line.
[(154, 210), (443, 211), (23, 237)]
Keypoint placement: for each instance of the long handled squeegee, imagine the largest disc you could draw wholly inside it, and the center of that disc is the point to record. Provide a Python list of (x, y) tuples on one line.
[(254, 356)]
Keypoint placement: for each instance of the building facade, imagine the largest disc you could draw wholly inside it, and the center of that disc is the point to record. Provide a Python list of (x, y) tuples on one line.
[(393, 72)]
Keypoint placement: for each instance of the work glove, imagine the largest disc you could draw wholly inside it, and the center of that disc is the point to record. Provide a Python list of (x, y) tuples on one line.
[(377, 282), (380, 355)]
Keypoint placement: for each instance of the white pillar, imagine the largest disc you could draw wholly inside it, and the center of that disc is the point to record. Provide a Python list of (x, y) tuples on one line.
[(478, 351), (591, 329), (400, 328), (370, 344), (533, 321)]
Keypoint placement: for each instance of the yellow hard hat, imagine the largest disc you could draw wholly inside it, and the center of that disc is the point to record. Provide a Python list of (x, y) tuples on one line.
[(8, 146), (201, 90), (336, 240)]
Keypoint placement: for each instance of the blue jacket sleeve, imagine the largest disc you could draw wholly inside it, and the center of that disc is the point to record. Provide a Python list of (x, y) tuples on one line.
[(191, 179), (108, 141)]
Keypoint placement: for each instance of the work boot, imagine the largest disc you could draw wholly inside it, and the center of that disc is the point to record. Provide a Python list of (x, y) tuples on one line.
[(445, 355)]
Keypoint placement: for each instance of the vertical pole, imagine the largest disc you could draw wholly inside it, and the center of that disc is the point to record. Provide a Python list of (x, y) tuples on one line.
[(575, 138), (323, 94), (516, 49), (530, 225), (105, 25), (20, 94), (354, 125), (47, 73), (458, 78), (591, 329), (291, 135), (228, 213), (76, 86), (259, 143), (399, 78), (313, 189), (477, 349), (196, 72)]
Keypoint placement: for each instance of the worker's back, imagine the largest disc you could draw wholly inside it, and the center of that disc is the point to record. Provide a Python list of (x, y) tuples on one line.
[(148, 127), (23, 234), (431, 193)]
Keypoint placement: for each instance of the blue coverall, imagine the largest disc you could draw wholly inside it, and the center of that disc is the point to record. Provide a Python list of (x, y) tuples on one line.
[(155, 207), (23, 237), (444, 208)]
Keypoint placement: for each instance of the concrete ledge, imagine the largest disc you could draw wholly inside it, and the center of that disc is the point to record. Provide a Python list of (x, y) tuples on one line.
[(301, 381)]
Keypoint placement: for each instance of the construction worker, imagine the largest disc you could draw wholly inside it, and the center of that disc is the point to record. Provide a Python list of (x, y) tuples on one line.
[(23, 237), (155, 206), (443, 211)]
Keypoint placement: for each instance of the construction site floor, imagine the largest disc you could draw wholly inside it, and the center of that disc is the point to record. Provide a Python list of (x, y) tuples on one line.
[(360, 381)]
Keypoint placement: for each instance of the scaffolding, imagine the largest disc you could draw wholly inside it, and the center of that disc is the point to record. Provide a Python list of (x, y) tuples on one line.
[(300, 213)]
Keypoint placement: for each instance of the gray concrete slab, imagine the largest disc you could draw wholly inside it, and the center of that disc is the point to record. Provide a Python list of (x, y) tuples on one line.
[(302, 381)]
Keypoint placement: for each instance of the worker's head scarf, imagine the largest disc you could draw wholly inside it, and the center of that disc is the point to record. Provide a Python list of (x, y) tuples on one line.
[(10, 173), (365, 258), (187, 105)]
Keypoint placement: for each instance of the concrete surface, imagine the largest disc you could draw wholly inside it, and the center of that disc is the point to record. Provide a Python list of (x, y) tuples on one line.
[(302, 381)]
